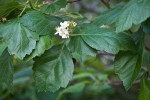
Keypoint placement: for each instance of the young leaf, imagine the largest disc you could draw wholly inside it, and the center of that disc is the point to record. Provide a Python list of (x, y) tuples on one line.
[(53, 69), (7, 7), (40, 23), (43, 44), (19, 39), (105, 39), (6, 68), (145, 90), (128, 64), (54, 7), (133, 12)]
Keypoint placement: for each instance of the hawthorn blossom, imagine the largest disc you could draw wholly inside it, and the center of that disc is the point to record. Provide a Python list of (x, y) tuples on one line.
[(65, 28)]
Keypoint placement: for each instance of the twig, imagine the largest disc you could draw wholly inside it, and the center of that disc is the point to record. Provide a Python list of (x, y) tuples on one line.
[(71, 1), (106, 3), (23, 9), (87, 8), (147, 48), (106, 54)]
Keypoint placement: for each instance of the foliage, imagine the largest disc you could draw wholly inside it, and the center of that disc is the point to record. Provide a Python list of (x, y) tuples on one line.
[(27, 35)]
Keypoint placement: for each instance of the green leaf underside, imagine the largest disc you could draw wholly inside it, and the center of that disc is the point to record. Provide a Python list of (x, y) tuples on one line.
[(20, 40), (105, 39), (145, 89), (80, 49), (7, 8), (6, 68), (54, 7), (128, 64), (134, 12), (53, 69), (40, 23), (43, 44)]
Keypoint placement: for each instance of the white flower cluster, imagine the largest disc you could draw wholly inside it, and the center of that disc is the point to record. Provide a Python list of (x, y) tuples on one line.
[(65, 28)]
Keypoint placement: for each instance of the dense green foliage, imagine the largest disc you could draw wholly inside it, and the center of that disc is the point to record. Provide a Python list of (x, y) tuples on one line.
[(27, 35)]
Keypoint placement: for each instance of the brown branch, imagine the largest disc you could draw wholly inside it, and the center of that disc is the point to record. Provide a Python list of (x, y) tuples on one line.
[(147, 48), (86, 8), (106, 3), (71, 1)]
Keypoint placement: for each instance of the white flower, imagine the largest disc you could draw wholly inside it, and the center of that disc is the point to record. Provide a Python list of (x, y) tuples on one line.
[(65, 24), (65, 28), (61, 31)]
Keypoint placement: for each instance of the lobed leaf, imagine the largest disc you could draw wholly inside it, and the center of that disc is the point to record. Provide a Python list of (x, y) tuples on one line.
[(128, 64), (53, 69), (40, 23), (108, 17), (79, 48), (19, 39), (105, 39), (42, 45), (133, 12)]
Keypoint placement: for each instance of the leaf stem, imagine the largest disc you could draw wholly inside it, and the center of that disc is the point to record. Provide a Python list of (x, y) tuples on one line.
[(23, 9), (83, 34), (36, 2)]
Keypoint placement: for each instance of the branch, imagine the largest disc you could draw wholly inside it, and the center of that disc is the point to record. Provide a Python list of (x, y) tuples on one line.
[(86, 8), (147, 48), (106, 3), (71, 1)]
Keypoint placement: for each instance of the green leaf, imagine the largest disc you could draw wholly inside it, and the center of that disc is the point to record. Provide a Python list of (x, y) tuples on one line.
[(54, 7), (40, 23), (53, 69), (42, 45), (105, 39), (7, 7), (19, 39), (134, 12), (80, 49), (145, 89), (128, 64), (108, 17), (71, 89), (6, 68)]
